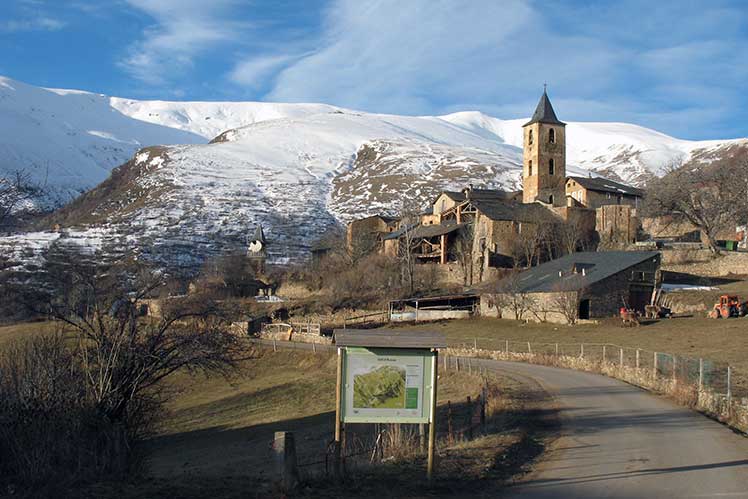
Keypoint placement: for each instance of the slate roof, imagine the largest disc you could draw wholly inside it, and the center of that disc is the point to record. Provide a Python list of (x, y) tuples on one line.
[(454, 195), (425, 231), (489, 194), (389, 338), (259, 234), (544, 113), (597, 267), (600, 184), (507, 211)]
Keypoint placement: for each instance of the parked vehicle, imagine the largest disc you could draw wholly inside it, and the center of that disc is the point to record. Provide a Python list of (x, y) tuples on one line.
[(728, 306)]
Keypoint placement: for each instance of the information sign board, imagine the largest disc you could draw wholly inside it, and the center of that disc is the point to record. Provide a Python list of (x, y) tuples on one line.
[(383, 385)]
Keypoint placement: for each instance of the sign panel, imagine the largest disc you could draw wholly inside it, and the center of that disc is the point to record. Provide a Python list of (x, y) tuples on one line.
[(386, 385)]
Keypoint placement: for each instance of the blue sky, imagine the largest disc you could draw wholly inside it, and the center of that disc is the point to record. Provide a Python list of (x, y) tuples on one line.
[(680, 67)]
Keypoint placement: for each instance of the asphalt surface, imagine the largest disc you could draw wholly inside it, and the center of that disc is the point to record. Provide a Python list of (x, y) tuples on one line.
[(618, 441)]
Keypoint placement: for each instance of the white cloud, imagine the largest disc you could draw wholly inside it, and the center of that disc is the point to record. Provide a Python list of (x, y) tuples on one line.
[(41, 23), (183, 29), (253, 72), (600, 61)]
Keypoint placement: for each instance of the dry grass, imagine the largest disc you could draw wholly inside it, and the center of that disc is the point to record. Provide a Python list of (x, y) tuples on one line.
[(23, 330), (724, 340), (215, 439)]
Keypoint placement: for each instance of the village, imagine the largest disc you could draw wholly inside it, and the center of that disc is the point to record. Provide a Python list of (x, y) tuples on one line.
[(565, 249), (344, 249)]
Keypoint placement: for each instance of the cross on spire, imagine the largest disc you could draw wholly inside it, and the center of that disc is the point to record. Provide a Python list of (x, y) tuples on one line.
[(545, 87)]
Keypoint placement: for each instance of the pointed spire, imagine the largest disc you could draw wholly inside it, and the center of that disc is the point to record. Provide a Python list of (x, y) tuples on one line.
[(544, 113), (259, 234)]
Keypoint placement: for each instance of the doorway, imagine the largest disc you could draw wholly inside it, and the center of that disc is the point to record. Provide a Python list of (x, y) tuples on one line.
[(584, 309)]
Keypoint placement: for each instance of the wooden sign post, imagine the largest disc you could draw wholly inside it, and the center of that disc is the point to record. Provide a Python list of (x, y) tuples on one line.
[(386, 376)]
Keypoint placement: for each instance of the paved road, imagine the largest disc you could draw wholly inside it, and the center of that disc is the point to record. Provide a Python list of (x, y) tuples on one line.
[(620, 442)]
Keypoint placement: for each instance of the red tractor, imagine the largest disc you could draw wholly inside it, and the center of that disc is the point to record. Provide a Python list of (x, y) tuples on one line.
[(728, 306)]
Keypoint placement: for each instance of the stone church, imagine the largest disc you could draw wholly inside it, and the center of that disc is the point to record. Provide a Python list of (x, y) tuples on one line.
[(503, 225)]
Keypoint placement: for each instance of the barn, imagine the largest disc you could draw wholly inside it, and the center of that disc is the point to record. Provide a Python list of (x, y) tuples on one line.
[(583, 285)]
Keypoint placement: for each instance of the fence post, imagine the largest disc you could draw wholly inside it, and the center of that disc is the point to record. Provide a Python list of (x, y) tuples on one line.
[(450, 435), (445, 363), (637, 360), (457, 364), (582, 351), (675, 367), (729, 392), (475, 344), (507, 347), (621, 358), (654, 366), (422, 436), (285, 460), (275, 349), (701, 374), (470, 418), (605, 354), (484, 402), (470, 365), (314, 347), (556, 349), (529, 348)]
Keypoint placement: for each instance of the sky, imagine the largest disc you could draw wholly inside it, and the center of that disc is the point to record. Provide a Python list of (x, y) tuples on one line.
[(679, 66)]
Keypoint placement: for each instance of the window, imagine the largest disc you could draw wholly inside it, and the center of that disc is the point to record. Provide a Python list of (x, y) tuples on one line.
[(550, 199), (530, 168), (551, 167), (444, 206), (529, 137), (552, 136)]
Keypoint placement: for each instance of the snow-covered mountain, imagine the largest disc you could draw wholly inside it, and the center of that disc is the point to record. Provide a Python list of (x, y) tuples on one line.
[(296, 169)]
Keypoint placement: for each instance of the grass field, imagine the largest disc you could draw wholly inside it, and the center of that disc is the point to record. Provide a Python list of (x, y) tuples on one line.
[(721, 341)]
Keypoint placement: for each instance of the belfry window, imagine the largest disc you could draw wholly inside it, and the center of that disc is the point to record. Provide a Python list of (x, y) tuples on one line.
[(551, 167), (552, 136), (529, 137), (529, 169)]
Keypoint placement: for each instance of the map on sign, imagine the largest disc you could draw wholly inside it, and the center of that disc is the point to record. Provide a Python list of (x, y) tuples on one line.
[(384, 386)]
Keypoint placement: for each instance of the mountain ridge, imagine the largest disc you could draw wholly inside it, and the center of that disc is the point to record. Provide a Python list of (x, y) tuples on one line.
[(295, 169)]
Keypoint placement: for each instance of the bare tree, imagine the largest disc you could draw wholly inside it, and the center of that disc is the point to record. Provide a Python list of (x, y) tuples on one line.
[(463, 250), (566, 302), (124, 356), (712, 198), (572, 234), (508, 293), (527, 244), (16, 191), (409, 224)]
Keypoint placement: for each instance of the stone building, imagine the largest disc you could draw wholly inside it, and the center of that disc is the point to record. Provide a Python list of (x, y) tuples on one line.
[(544, 156), (594, 192), (617, 224), (497, 221), (366, 234), (595, 284)]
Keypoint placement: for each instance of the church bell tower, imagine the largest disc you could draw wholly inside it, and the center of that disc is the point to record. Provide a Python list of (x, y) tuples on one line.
[(544, 156)]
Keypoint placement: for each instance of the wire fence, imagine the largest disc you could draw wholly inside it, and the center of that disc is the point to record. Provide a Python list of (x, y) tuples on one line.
[(703, 374), (713, 387)]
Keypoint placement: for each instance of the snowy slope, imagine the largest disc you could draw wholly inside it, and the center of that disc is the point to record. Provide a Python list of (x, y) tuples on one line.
[(296, 169), (70, 140), (624, 151)]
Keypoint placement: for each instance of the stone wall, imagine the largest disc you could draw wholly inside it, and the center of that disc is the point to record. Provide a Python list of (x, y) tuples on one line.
[(703, 262)]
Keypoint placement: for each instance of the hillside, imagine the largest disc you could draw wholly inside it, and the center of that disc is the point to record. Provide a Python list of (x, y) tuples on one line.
[(221, 168)]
